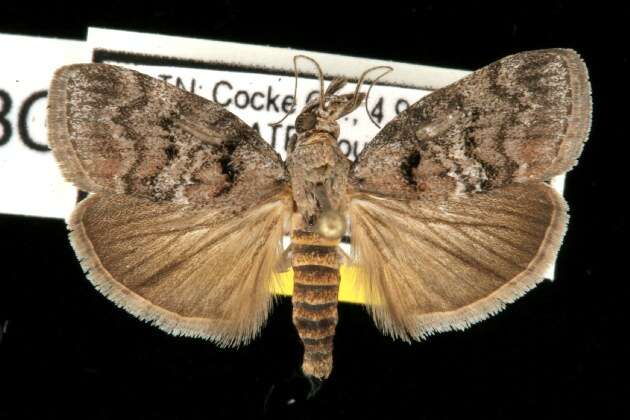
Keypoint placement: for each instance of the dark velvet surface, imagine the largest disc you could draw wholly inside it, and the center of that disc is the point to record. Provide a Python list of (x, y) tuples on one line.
[(559, 352)]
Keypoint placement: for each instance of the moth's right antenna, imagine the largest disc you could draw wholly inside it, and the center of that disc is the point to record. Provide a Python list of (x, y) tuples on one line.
[(388, 70), (320, 75)]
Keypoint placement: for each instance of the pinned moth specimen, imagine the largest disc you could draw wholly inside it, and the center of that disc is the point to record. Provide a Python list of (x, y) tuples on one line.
[(448, 208)]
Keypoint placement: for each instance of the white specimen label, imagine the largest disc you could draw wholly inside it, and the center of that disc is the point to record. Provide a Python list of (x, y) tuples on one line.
[(30, 181), (254, 82)]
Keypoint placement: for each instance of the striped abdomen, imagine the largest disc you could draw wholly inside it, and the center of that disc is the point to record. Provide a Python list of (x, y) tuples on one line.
[(315, 264)]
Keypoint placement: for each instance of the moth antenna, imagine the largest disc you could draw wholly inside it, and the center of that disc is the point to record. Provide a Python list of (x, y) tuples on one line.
[(277, 123), (320, 75), (364, 75), (388, 70), (296, 75)]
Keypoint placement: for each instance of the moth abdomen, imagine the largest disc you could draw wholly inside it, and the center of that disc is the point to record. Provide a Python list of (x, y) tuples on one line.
[(309, 257), (315, 264)]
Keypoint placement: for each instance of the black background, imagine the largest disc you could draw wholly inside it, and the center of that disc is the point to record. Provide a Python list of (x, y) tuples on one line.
[(558, 352)]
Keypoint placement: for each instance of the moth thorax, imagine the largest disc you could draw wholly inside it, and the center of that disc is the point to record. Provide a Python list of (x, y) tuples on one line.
[(329, 126)]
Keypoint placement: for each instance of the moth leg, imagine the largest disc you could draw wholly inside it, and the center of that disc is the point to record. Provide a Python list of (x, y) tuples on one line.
[(344, 258), (284, 262)]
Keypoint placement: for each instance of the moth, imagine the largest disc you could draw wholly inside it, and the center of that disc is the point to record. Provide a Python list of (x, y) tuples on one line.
[(448, 208)]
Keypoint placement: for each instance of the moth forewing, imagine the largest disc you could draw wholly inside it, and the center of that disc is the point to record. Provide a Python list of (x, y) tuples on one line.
[(521, 119), (117, 131)]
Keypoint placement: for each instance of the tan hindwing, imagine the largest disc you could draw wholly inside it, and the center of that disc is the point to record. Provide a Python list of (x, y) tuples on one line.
[(199, 273), (434, 266)]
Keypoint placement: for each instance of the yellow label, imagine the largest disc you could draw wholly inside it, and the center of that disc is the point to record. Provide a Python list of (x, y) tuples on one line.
[(347, 290)]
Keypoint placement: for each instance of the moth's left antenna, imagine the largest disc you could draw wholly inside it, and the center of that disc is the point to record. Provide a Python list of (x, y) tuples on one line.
[(320, 75)]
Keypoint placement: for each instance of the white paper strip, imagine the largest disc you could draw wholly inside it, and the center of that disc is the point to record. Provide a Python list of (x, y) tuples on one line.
[(30, 182), (254, 82)]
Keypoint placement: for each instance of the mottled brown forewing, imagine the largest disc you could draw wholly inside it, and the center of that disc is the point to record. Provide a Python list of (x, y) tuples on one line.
[(115, 130), (521, 119), (451, 217)]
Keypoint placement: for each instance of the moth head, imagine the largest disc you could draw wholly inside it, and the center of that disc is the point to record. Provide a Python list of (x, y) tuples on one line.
[(323, 114)]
